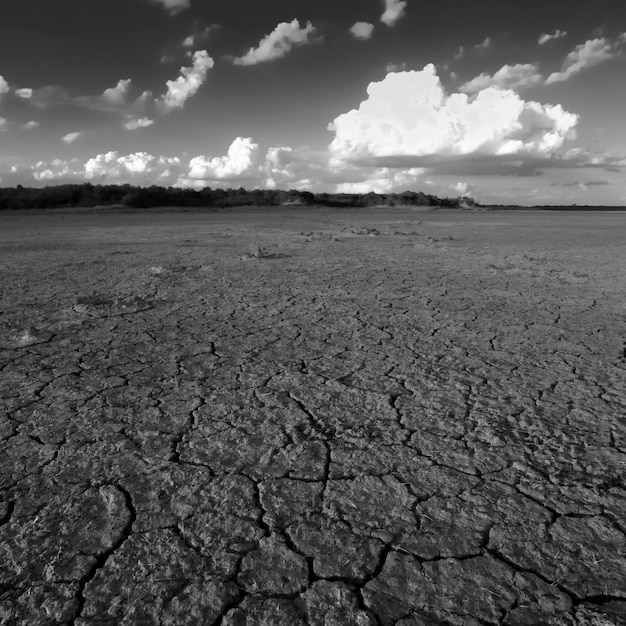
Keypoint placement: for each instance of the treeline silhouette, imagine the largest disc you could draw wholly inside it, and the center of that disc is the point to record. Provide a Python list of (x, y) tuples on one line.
[(88, 195)]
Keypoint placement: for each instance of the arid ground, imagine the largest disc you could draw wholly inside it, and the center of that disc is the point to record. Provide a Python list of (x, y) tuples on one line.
[(313, 416)]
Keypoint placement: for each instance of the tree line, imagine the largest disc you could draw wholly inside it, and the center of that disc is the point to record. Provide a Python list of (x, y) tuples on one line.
[(130, 196)]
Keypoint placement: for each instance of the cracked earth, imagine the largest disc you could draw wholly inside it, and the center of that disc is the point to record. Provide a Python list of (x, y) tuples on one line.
[(316, 417)]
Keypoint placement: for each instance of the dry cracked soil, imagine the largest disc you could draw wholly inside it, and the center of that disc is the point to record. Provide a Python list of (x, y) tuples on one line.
[(313, 417)]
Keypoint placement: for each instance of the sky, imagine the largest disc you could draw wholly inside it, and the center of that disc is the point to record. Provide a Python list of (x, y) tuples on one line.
[(507, 101)]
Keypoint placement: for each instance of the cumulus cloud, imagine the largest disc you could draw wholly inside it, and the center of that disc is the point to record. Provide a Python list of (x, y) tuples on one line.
[(241, 161), (117, 94), (463, 189), (385, 180), (278, 43), (362, 30), (248, 164), (585, 55), (56, 170), (71, 137), (173, 6), (408, 115), (4, 86), (133, 123), (187, 84), (24, 93), (394, 11), (139, 166), (30, 125), (507, 77), (557, 34)]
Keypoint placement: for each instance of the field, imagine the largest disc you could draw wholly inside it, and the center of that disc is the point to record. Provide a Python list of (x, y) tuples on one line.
[(313, 416)]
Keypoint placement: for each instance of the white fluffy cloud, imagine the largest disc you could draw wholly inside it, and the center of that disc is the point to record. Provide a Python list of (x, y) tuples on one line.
[(139, 166), (71, 137), (247, 163), (133, 123), (4, 86), (241, 161), (557, 34), (187, 84), (385, 180), (56, 170), (30, 125), (585, 55), (24, 93), (173, 6), (362, 30), (408, 115), (394, 10), (507, 77), (278, 43)]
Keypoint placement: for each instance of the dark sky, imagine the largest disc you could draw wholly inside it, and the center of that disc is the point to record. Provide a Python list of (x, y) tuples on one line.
[(463, 97)]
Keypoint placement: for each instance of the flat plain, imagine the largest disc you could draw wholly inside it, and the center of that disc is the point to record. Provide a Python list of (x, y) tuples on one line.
[(313, 416)]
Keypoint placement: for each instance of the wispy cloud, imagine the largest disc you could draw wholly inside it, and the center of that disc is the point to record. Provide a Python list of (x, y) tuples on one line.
[(588, 54), (278, 43), (394, 11), (507, 77), (485, 44), (71, 137), (133, 123), (199, 35), (173, 6), (4, 86), (557, 34)]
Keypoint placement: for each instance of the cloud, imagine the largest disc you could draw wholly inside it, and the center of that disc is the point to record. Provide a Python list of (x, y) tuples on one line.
[(557, 34), (133, 123), (187, 84), (394, 11), (3, 121), (173, 6), (585, 55), (384, 180), (136, 167), (241, 161), (4, 86), (24, 93), (30, 125), (56, 170), (408, 118), (278, 43), (117, 95), (362, 30), (484, 45), (507, 77), (248, 164), (196, 37), (71, 137)]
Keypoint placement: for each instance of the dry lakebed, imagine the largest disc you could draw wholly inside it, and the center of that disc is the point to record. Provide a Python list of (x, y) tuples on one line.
[(313, 417)]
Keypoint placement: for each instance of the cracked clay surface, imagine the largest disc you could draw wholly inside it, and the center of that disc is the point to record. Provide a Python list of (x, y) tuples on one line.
[(316, 417)]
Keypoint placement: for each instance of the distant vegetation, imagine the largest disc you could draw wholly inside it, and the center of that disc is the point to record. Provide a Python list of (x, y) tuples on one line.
[(88, 195)]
